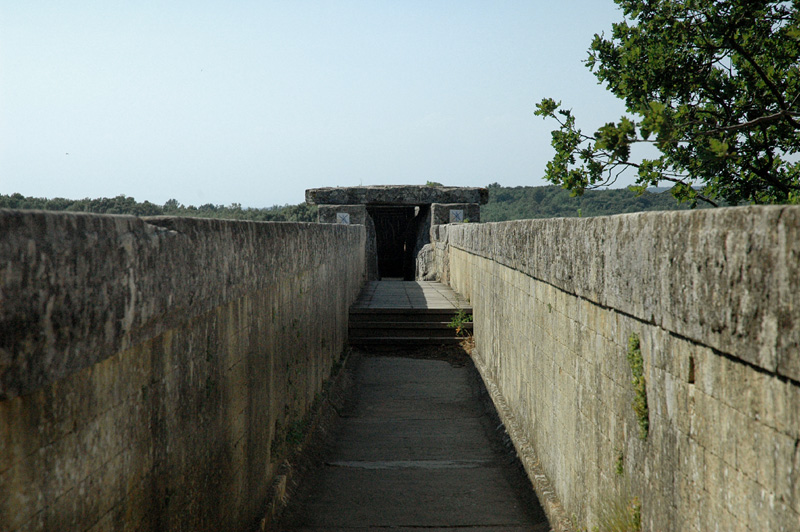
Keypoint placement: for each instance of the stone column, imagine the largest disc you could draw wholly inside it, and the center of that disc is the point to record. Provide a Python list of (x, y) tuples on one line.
[(354, 215)]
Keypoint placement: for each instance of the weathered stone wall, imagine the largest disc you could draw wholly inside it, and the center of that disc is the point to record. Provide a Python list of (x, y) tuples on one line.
[(432, 259), (151, 370), (713, 296)]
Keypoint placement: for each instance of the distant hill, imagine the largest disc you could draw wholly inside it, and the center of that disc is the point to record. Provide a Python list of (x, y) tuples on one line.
[(519, 203), (127, 205)]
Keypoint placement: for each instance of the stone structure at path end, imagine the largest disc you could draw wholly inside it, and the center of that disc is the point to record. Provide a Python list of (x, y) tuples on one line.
[(398, 219)]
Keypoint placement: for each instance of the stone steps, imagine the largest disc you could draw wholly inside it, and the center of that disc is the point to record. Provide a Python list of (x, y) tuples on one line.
[(403, 327)]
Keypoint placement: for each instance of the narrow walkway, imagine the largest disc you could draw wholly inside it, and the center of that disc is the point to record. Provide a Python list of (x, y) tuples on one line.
[(416, 450), (419, 446)]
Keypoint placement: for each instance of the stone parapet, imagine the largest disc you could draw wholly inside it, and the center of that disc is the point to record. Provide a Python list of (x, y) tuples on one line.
[(152, 370), (728, 278), (704, 303)]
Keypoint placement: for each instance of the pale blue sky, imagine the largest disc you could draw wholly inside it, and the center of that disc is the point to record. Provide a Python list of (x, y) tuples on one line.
[(252, 102)]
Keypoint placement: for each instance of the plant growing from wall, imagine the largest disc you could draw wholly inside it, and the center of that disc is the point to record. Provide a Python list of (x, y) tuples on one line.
[(636, 363), (459, 323), (618, 515), (619, 468), (621, 514)]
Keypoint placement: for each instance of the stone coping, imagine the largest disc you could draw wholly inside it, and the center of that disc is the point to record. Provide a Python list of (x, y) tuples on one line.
[(727, 278), (75, 288)]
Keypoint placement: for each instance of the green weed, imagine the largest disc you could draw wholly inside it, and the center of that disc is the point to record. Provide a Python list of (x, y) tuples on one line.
[(619, 469), (636, 363), (459, 323)]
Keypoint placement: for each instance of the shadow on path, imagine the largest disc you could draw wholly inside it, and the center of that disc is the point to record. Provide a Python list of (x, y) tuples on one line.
[(417, 446)]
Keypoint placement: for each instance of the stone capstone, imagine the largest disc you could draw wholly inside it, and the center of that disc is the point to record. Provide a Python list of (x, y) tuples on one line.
[(396, 195)]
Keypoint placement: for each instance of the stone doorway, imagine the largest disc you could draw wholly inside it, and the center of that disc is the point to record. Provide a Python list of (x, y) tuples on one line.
[(395, 235), (398, 220)]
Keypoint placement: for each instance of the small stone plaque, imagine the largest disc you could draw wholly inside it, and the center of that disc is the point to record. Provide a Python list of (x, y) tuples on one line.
[(456, 216), (343, 218)]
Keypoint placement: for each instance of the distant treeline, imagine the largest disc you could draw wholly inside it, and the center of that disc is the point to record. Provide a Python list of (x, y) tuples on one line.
[(128, 205), (519, 203), (505, 203)]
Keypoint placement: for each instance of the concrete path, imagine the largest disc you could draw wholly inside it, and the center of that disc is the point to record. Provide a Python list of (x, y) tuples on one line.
[(416, 450), (409, 295)]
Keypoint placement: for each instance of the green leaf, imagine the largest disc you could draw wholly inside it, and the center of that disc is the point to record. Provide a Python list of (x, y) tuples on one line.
[(547, 107), (718, 147)]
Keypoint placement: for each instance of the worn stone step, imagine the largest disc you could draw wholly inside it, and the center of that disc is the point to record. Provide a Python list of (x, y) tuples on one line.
[(405, 325), (404, 341), (399, 333), (403, 315)]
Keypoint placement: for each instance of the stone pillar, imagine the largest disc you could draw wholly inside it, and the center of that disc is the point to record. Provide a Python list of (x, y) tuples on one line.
[(354, 215), (342, 214)]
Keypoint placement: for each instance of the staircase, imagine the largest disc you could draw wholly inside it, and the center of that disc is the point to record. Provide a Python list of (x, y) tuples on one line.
[(404, 327), (406, 314)]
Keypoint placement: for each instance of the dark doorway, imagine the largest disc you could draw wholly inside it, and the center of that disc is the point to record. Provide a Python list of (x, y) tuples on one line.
[(395, 237)]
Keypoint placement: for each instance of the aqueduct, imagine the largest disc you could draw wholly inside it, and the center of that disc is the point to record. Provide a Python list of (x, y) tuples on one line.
[(150, 368)]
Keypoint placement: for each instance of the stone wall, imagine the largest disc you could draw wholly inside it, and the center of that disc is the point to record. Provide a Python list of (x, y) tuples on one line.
[(152, 370), (713, 298)]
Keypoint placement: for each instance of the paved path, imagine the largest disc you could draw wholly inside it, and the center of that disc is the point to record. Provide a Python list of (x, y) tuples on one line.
[(416, 450), (409, 295)]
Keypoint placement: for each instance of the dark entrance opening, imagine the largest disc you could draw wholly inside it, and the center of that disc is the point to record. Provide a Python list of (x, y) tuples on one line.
[(396, 239)]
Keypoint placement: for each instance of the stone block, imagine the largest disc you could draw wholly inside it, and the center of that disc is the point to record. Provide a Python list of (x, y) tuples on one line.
[(342, 214), (396, 195), (447, 213)]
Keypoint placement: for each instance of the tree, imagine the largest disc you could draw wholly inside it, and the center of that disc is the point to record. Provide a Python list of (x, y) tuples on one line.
[(171, 205), (713, 85)]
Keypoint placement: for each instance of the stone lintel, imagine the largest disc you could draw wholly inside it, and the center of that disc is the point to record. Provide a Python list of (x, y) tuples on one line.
[(395, 195)]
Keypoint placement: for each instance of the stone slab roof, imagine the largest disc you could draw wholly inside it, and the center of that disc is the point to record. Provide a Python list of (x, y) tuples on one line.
[(395, 195)]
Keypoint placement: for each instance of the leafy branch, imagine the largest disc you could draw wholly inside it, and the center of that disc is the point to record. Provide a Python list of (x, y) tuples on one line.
[(714, 86)]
